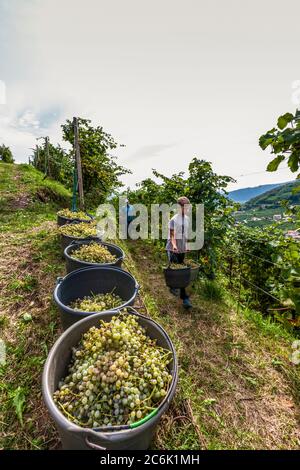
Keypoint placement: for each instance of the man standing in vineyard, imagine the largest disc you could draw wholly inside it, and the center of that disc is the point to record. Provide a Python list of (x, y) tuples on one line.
[(177, 243)]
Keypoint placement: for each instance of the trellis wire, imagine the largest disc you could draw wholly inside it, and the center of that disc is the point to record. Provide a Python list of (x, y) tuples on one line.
[(230, 250), (239, 273)]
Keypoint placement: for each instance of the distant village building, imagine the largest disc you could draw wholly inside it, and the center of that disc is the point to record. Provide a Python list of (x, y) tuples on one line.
[(277, 217), (237, 212), (295, 234)]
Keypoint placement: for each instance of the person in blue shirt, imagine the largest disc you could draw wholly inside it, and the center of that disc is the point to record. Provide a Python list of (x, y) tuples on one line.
[(128, 209)]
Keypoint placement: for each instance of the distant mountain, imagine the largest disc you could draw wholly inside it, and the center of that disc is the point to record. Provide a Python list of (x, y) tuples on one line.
[(272, 198), (245, 194)]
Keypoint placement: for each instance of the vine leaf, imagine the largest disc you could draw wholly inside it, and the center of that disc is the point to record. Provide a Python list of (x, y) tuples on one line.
[(273, 165), (284, 120)]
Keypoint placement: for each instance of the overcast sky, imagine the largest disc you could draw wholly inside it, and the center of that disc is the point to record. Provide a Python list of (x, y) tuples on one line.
[(169, 79)]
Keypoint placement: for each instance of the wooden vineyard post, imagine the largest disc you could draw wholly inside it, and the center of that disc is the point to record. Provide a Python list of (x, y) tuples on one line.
[(47, 168), (37, 154), (78, 163)]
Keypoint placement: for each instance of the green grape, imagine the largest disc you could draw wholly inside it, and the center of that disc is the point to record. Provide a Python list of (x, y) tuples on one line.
[(97, 303), (73, 214), (178, 266), (112, 382), (93, 253), (191, 263), (80, 230)]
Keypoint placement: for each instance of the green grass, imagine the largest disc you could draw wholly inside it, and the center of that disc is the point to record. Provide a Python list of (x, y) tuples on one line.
[(24, 187), (234, 367), (30, 262), (35, 182), (29, 327), (210, 290)]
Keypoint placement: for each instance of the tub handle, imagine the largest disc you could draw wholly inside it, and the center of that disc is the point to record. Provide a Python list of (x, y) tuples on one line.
[(58, 280), (92, 445)]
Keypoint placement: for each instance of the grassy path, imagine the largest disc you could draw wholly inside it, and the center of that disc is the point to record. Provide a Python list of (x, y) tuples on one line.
[(30, 261)]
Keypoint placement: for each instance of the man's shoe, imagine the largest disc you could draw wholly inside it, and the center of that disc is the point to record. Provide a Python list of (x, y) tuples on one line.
[(174, 291), (187, 303)]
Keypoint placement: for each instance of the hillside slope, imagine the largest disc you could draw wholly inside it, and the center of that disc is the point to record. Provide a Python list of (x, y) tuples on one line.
[(237, 387), (274, 196), (26, 196), (245, 194)]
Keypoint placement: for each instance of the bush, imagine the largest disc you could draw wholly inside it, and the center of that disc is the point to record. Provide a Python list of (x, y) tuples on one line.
[(6, 155)]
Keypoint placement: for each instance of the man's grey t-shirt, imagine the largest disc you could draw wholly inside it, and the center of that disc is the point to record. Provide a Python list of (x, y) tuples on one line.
[(180, 224)]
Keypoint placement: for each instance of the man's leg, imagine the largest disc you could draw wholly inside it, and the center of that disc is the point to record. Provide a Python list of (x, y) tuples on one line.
[(180, 258), (173, 257), (183, 294), (185, 298)]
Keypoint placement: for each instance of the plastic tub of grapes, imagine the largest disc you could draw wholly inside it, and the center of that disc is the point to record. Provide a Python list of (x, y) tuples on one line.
[(177, 275), (108, 380), (91, 290), (77, 231), (65, 216), (195, 267), (81, 254)]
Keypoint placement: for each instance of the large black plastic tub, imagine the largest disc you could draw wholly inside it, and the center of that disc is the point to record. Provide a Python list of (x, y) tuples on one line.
[(61, 220), (96, 280), (74, 437), (72, 264), (177, 278), (66, 240)]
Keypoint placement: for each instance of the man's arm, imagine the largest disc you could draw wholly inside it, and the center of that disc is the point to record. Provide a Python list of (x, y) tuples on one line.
[(173, 240)]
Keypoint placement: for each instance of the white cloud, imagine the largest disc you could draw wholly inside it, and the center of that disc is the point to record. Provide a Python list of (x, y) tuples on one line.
[(28, 120), (2, 92), (192, 73), (149, 151)]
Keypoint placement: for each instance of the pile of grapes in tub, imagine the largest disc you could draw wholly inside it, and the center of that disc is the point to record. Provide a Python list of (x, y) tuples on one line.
[(117, 375)]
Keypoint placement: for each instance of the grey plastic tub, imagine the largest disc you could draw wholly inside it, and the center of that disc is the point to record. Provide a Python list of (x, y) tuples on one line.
[(74, 437), (61, 220), (98, 280), (66, 240), (72, 264), (194, 273)]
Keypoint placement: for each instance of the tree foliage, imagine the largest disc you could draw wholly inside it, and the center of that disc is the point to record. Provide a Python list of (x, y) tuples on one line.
[(284, 141), (202, 186), (263, 266), (100, 171), (59, 166), (6, 155), (285, 144)]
